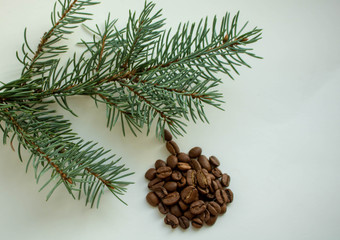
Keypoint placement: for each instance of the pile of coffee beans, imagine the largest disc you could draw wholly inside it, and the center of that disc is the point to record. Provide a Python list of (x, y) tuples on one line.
[(188, 187)]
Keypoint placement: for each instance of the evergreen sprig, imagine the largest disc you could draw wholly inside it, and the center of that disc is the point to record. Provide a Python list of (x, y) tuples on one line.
[(144, 74)]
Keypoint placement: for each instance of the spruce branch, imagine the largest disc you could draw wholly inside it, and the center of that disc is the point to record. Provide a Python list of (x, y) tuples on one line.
[(147, 77)]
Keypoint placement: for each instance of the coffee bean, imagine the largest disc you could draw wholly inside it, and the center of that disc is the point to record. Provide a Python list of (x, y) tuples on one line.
[(217, 172), (182, 182), (201, 216), (212, 176), (189, 194), (183, 157), (183, 166), (189, 214), (214, 161), (163, 208), (164, 172), (182, 205), (225, 180), (172, 147), (202, 191), (172, 161), (223, 208), (195, 152), (221, 196), (211, 220), (183, 222), (167, 135), (160, 163), (219, 184), (150, 174), (170, 186), (203, 160), (195, 164), (161, 192), (230, 195), (176, 175), (207, 215), (210, 196), (197, 207), (155, 183), (175, 210), (171, 198), (197, 223), (191, 177), (171, 220), (214, 186), (202, 179), (152, 199), (214, 208)]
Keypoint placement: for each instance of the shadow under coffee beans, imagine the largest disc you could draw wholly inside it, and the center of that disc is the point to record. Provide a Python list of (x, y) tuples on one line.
[(188, 187)]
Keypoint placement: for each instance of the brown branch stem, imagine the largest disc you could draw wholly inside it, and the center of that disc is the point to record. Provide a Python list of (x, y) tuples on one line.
[(38, 149), (47, 35)]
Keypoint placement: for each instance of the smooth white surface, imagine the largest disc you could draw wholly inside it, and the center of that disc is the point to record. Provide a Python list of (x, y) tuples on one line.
[(278, 138)]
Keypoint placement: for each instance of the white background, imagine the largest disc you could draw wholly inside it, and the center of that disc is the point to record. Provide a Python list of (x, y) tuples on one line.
[(278, 138)]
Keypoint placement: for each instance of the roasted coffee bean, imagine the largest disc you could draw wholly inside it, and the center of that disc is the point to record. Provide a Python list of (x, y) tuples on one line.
[(183, 205), (150, 174), (163, 208), (211, 221), (164, 172), (155, 183), (214, 161), (189, 214), (184, 222), (203, 179), (160, 163), (214, 208), (191, 177), (183, 157), (171, 198), (195, 164), (224, 208), (152, 199), (202, 191), (219, 184), (183, 166), (230, 195), (176, 210), (195, 152), (197, 223), (172, 147), (171, 220), (214, 186), (217, 172), (225, 180), (189, 194), (161, 192), (207, 215), (176, 175), (167, 135), (201, 216), (170, 186), (212, 176), (172, 161), (197, 207), (203, 160), (221, 196), (182, 182), (210, 196)]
